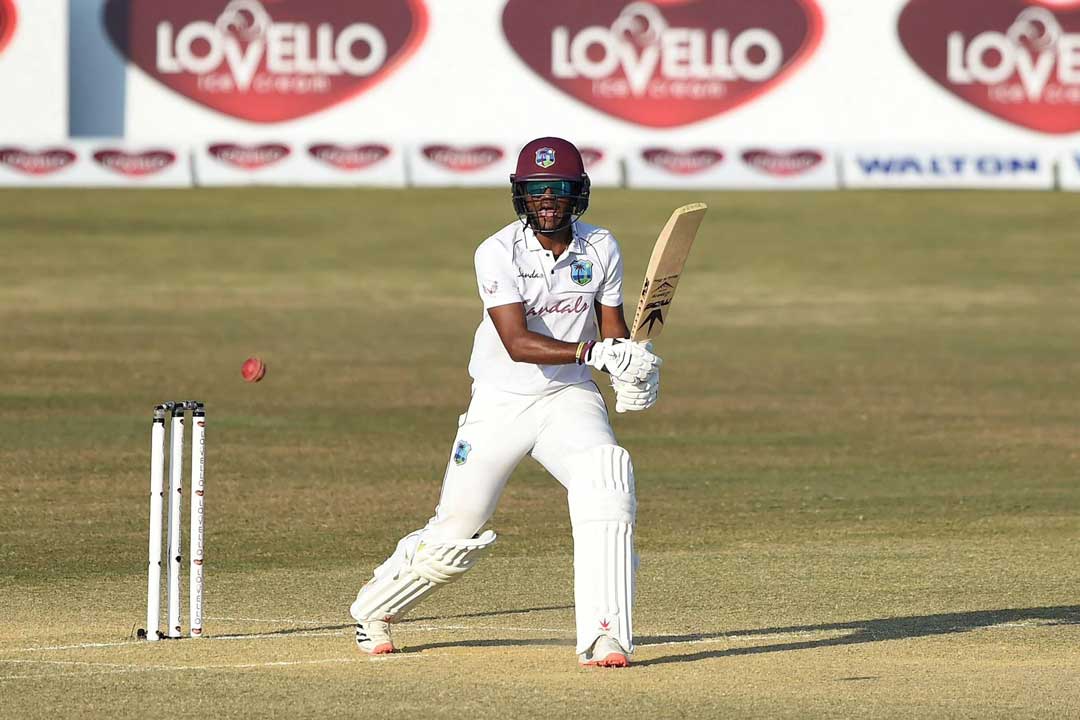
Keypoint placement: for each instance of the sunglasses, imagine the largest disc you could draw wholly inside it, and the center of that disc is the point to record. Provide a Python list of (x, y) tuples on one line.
[(559, 188)]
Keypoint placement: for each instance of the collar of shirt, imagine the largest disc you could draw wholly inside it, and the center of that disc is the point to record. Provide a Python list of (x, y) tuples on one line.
[(576, 246)]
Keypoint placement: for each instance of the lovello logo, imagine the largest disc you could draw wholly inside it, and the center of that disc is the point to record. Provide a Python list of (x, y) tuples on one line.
[(271, 60), (42, 162), (249, 157), (1016, 59), (130, 164), (7, 22), (590, 157), (682, 162), (780, 164), (663, 63), (349, 157), (463, 159)]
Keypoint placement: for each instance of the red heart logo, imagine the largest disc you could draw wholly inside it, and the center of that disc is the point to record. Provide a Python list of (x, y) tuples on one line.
[(8, 18), (665, 63), (267, 60), (590, 156), (787, 164), (683, 162), (463, 159), (42, 162), (1015, 59), (135, 164), (344, 157), (249, 157)]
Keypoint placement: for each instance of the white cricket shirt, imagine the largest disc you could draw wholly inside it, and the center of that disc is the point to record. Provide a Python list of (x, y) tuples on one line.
[(558, 294)]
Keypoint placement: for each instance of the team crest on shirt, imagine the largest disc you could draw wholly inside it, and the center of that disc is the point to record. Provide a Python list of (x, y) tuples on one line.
[(581, 271), (461, 452), (545, 157)]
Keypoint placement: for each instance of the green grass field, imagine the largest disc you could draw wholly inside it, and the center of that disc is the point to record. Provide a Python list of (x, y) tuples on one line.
[(858, 493)]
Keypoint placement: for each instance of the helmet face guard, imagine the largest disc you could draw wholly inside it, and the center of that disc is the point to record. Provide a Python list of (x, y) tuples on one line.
[(550, 189), (548, 206)]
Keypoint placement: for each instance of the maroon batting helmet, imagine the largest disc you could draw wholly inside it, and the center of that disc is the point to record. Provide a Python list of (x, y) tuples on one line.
[(550, 165)]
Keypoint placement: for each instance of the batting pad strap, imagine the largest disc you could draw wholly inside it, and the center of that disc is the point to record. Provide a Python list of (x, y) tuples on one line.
[(594, 505), (603, 486), (416, 569)]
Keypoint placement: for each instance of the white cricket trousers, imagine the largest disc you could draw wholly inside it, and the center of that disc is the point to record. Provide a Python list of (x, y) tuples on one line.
[(569, 433)]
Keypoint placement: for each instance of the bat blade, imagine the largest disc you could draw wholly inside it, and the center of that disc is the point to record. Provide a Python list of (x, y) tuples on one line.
[(665, 267)]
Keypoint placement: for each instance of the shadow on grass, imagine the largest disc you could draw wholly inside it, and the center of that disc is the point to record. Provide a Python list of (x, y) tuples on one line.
[(491, 613), (864, 631), (307, 629), (568, 642)]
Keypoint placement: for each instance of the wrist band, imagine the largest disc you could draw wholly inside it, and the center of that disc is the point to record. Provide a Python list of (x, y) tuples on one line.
[(583, 349)]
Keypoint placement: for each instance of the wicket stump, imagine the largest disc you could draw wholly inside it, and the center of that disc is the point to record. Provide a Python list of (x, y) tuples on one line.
[(177, 411)]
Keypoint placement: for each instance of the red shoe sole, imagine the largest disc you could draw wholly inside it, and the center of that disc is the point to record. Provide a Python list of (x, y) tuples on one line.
[(384, 649), (617, 660)]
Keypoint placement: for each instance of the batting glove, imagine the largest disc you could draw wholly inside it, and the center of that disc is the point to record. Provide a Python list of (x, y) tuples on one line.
[(635, 397), (623, 360)]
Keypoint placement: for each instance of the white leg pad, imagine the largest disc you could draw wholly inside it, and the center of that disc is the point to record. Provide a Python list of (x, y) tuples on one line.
[(602, 511), (415, 569)]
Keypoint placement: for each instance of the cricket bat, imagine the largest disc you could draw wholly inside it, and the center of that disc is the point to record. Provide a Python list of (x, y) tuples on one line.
[(666, 265)]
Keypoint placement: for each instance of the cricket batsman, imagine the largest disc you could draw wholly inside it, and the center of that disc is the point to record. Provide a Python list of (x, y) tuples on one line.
[(551, 287)]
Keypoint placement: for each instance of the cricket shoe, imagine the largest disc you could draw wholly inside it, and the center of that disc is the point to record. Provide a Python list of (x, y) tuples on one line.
[(373, 637), (605, 652)]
